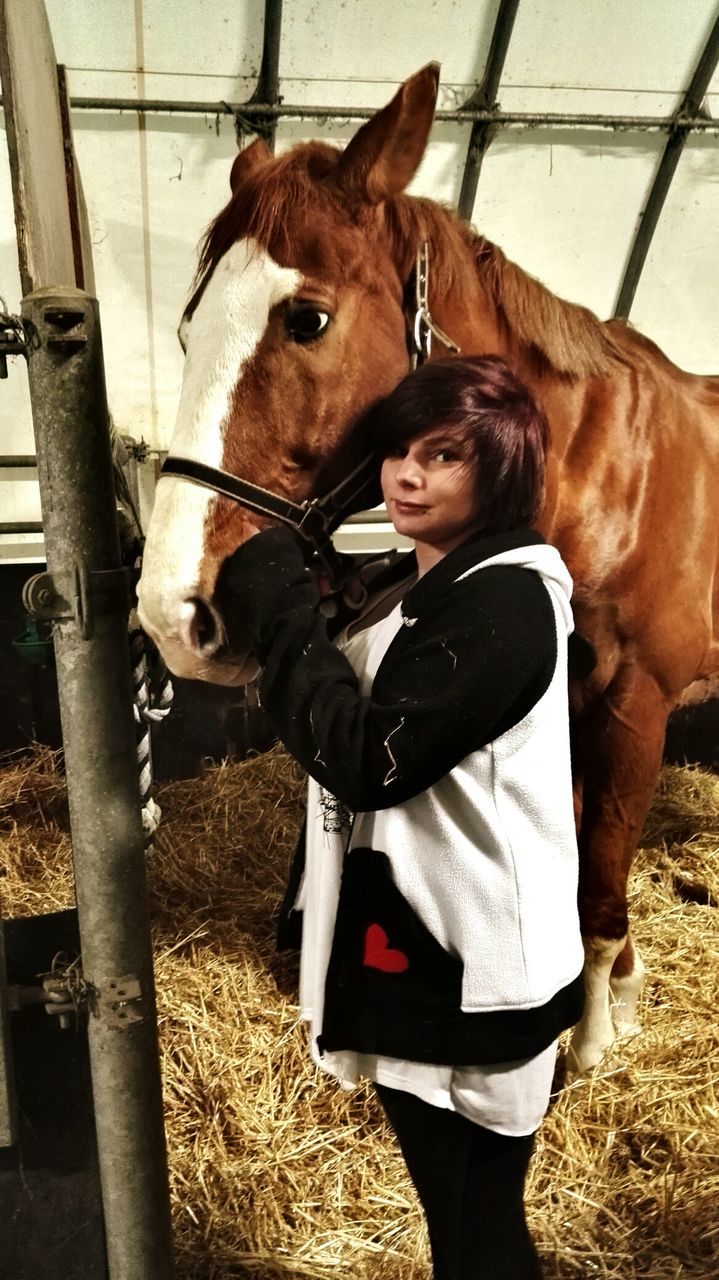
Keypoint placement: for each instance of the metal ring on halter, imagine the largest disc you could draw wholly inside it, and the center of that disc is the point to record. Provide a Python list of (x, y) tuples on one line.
[(313, 519)]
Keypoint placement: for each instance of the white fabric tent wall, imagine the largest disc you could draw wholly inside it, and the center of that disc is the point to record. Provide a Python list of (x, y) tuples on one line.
[(564, 203)]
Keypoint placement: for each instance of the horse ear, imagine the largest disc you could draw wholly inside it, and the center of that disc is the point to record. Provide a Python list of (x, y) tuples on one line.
[(247, 160), (384, 154)]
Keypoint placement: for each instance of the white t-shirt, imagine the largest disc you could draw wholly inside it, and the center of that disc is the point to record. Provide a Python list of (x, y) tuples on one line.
[(510, 1097)]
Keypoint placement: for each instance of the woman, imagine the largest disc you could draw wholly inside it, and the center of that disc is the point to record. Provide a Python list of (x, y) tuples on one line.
[(441, 953)]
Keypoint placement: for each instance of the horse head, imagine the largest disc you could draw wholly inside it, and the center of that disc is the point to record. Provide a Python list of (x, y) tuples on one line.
[(297, 323)]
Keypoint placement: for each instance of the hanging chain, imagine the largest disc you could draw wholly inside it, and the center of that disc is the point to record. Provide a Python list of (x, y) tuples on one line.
[(424, 327)]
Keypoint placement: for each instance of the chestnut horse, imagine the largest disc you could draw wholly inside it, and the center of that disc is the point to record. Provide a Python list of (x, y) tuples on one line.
[(299, 320)]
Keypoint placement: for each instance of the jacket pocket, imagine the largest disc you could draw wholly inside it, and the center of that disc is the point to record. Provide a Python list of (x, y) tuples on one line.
[(385, 963)]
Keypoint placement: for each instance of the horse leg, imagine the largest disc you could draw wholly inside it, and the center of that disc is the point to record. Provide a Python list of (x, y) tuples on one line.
[(625, 987), (621, 751)]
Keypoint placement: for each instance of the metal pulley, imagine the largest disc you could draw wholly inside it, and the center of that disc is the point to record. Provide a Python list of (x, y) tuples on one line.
[(81, 596)]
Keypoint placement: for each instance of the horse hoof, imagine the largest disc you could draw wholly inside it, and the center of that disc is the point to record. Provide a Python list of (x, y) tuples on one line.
[(587, 1051), (583, 1061), (627, 1030)]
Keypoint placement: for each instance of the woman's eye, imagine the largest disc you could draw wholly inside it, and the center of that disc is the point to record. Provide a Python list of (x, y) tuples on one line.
[(305, 324), (444, 455)]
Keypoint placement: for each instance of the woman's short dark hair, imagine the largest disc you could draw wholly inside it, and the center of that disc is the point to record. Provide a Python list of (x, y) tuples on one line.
[(491, 415)]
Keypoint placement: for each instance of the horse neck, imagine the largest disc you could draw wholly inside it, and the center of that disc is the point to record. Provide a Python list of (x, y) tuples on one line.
[(489, 305)]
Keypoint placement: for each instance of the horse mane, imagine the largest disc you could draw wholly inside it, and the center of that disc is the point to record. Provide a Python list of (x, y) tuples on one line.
[(258, 208), (563, 336), (570, 338), (566, 337)]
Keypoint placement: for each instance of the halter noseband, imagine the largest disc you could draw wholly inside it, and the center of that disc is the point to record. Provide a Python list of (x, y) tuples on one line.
[(316, 518)]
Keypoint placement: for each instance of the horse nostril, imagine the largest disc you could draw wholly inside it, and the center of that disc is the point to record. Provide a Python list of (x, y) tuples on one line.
[(199, 629)]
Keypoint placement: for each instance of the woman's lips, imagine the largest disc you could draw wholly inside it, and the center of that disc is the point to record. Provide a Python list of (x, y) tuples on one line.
[(408, 508)]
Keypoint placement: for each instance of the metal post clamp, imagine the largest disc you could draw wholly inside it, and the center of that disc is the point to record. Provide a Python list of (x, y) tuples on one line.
[(117, 1003), (80, 595)]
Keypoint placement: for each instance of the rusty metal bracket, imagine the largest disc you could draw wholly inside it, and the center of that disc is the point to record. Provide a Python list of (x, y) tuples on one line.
[(63, 991), (69, 335), (118, 1002), (14, 337), (78, 596), (62, 998)]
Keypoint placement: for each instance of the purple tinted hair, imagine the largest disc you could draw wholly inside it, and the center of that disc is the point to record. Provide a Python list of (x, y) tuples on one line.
[(493, 418)]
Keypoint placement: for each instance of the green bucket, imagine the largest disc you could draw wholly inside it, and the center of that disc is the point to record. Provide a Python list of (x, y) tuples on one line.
[(35, 643)]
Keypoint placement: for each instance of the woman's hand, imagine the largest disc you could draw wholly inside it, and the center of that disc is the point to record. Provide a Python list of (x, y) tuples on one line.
[(264, 579)]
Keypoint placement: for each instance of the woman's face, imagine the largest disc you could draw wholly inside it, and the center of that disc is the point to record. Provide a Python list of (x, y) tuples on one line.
[(430, 487)]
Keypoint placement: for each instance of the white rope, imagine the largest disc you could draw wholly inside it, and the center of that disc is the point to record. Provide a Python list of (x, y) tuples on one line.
[(149, 707)]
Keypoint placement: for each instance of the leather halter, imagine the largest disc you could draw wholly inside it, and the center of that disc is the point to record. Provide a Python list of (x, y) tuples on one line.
[(316, 518)]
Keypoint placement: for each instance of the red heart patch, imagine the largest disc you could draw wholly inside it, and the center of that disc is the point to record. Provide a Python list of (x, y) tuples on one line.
[(378, 955)]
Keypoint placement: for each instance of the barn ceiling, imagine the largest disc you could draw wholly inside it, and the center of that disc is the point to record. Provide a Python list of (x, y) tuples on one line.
[(563, 197)]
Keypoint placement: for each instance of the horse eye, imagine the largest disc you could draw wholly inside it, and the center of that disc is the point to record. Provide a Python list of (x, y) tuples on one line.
[(305, 324)]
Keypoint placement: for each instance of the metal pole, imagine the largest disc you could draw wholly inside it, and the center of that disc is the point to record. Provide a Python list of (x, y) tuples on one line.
[(70, 417), (485, 98), (268, 82), (463, 115), (690, 108)]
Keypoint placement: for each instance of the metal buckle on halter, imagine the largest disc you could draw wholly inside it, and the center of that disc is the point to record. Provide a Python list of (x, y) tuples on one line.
[(314, 525)]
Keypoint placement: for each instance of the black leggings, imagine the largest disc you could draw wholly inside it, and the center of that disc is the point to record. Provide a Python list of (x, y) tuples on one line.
[(470, 1182)]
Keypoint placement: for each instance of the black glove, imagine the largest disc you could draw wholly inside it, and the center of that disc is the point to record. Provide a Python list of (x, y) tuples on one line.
[(260, 585)]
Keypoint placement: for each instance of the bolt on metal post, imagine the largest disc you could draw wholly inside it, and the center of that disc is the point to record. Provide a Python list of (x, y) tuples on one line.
[(70, 416)]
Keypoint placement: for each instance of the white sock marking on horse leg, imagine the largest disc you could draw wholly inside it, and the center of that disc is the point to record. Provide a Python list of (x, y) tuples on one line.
[(625, 992), (594, 1034)]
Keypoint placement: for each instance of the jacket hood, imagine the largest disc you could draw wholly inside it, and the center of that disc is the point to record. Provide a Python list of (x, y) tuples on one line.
[(520, 549), (544, 560)]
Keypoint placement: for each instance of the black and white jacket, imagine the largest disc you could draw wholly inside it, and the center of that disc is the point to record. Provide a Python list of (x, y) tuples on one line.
[(456, 937)]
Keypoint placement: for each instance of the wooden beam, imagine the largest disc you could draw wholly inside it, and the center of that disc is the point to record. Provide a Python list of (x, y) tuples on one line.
[(41, 154)]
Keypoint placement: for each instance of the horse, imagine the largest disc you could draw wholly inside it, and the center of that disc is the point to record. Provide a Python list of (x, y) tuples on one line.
[(309, 295)]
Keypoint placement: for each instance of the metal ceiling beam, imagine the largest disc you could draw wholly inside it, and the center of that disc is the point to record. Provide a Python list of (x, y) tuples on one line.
[(267, 91), (484, 99), (682, 125), (463, 115)]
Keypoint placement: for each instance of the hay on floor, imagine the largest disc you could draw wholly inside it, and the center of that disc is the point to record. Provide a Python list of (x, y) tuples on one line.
[(278, 1173)]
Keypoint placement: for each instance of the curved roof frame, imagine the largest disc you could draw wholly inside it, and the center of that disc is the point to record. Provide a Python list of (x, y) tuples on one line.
[(484, 98), (690, 106), (265, 107)]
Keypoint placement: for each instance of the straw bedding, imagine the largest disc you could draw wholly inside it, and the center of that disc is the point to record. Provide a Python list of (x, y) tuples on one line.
[(277, 1173)]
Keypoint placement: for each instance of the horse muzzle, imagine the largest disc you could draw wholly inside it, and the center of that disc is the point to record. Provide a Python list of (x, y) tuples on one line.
[(191, 635)]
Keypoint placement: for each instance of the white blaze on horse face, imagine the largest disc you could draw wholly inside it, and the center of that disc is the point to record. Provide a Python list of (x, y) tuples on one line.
[(226, 329)]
